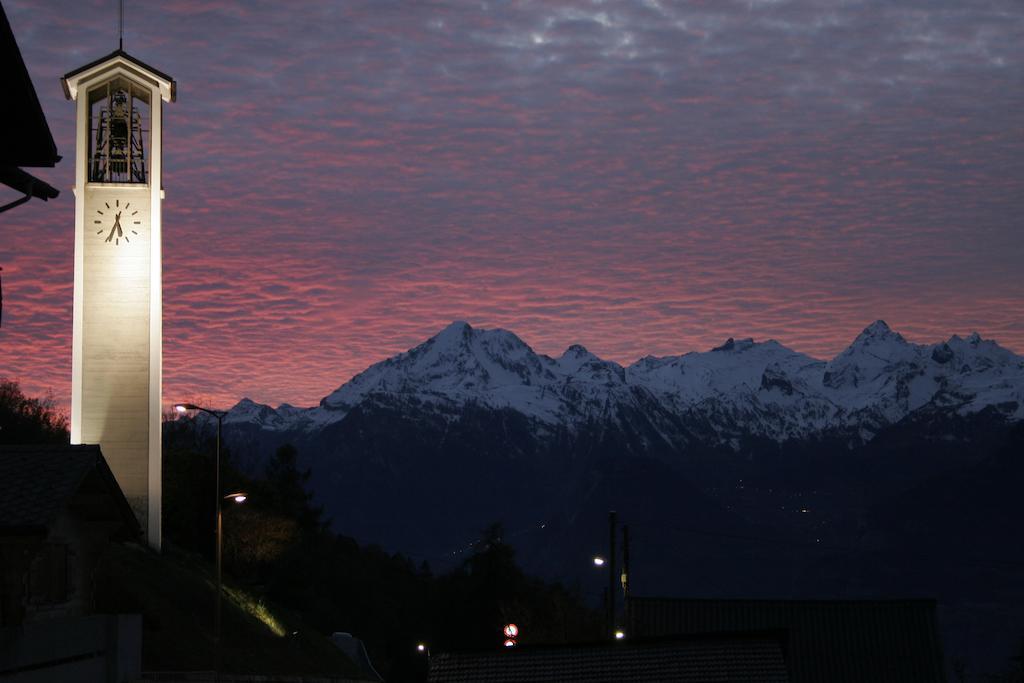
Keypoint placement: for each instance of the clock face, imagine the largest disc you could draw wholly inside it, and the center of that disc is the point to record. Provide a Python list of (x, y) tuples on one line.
[(117, 223)]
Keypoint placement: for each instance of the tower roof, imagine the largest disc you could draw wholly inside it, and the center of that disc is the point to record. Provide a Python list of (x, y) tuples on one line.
[(119, 58)]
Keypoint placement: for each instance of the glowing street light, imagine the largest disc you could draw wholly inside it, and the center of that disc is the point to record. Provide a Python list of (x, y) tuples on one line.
[(619, 635), (599, 561), (510, 643), (511, 630)]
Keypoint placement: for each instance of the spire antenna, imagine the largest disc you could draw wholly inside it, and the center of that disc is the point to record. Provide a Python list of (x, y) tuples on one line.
[(120, 25)]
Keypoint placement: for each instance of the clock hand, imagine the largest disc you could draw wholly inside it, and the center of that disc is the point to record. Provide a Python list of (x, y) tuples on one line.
[(111, 235)]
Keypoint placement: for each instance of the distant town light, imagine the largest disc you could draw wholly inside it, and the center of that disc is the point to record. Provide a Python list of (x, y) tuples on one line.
[(599, 561), (511, 630), (421, 648), (619, 635)]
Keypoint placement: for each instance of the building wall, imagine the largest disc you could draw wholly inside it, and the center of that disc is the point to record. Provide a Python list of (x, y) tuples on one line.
[(96, 649), (116, 322)]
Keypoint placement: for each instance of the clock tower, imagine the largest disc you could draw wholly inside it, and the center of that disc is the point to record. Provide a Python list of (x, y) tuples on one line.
[(116, 345)]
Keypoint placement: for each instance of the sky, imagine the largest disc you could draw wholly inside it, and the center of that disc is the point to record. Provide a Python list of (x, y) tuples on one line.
[(344, 179)]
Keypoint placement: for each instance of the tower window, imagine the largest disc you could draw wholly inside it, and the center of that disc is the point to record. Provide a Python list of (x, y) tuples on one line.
[(118, 131)]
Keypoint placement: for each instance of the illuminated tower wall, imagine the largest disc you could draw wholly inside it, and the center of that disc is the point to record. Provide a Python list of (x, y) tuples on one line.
[(117, 336)]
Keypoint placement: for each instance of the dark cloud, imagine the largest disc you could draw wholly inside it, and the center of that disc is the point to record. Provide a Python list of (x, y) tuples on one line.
[(343, 179)]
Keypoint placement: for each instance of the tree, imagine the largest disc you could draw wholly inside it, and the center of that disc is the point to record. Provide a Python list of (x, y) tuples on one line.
[(25, 420), (286, 490)]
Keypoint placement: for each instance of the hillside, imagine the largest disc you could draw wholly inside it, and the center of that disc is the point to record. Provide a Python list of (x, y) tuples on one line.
[(175, 594)]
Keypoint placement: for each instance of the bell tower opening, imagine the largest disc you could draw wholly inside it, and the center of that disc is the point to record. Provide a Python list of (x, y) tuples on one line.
[(118, 132)]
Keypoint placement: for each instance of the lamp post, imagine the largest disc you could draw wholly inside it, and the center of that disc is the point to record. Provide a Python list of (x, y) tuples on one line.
[(611, 573), (237, 497), (601, 561)]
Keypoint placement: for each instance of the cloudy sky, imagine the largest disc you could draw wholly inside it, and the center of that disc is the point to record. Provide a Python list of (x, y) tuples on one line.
[(343, 179)]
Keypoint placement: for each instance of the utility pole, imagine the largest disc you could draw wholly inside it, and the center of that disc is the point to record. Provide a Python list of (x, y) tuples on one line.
[(625, 561), (625, 576), (611, 575)]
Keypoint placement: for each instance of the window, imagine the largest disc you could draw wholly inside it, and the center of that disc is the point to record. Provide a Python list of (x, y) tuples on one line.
[(118, 132), (48, 575)]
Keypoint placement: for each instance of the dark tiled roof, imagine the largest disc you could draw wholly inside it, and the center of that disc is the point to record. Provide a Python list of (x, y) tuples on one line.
[(38, 482), (25, 139), (837, 641), (736, 659), (25, 183)]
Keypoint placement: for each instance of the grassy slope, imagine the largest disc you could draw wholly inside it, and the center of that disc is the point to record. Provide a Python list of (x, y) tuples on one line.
[(175, 594)]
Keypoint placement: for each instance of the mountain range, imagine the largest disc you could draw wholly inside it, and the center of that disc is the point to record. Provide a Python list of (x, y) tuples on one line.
[(749, 470), (739, 389)]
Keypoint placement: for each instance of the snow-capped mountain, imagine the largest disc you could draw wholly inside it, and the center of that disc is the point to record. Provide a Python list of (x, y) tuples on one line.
[(740, 388), (891, 450)]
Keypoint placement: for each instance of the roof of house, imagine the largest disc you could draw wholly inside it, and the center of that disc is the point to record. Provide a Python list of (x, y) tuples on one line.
[(735, 658), (27, 140), (827, 640), (39, 482)]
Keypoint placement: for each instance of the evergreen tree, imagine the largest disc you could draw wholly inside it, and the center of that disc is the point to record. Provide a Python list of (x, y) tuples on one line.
[(287, 491)]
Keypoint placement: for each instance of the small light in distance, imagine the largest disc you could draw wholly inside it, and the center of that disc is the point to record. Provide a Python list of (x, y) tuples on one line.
[(509, 642), (619, 635), (511, 630), (421, 648), (180, 408), (239, 498), (599, 561)]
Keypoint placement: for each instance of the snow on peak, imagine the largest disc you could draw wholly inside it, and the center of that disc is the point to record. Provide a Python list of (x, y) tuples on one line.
[(575, 357), (458, 364), (577, 351), (579, 364), (874, 350), (735, 367), (762, 387), (736, 346), (248, 411), (878, 332), (456, 334)]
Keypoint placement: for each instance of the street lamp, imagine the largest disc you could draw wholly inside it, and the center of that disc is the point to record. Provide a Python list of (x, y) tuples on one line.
[(601, 561), (237, 497)]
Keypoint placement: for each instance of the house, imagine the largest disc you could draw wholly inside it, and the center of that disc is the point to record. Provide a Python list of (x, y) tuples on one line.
[(25, 140), (796, 641), (59, 508), (837, 641), (737, 658)]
